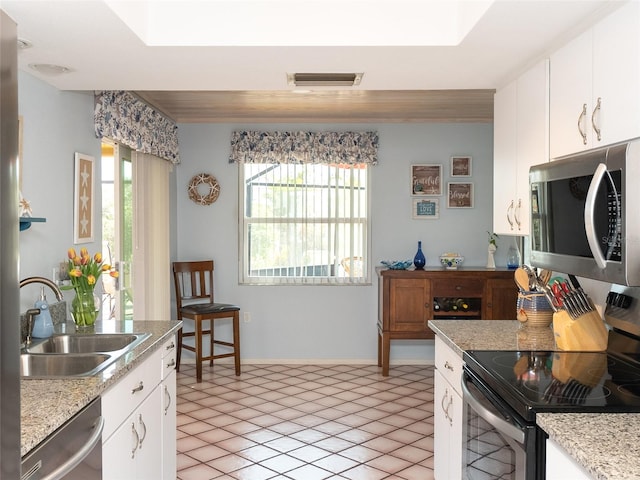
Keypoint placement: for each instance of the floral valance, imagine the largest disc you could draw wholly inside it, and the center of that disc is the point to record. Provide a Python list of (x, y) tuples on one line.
[(304, 147), (121, 116)]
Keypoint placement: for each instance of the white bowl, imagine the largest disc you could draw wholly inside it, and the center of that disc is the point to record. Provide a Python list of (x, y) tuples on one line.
[(451, 262)]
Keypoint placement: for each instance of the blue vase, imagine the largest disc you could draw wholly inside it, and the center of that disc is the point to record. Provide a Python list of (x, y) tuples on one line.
[(419, 261)]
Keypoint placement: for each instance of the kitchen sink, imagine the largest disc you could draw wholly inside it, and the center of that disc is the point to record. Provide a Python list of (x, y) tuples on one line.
[(87, 343), (76, 354), (62, 365)]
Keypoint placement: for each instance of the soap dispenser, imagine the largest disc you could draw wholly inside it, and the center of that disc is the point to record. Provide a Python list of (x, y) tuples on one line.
[(42, 323)]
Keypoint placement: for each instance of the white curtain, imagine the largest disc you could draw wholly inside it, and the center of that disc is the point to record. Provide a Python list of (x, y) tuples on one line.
[(151, 263)]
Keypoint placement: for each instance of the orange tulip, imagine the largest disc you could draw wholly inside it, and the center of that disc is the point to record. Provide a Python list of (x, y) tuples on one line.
[(84, 252), (75, 272), (98, 257), (114, 273), (91, 280), (106, 267), (71, 253)]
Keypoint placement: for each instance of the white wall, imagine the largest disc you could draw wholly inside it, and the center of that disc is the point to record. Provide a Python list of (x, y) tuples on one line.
[(332, 322)]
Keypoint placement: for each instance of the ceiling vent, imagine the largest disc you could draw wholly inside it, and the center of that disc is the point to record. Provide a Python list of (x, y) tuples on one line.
[(324, 79)]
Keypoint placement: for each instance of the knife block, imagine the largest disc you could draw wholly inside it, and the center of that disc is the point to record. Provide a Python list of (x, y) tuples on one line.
[(587, 333)]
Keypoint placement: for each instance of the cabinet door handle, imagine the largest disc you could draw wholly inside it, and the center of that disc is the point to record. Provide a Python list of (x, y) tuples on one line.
[(139, 388), (172, 363), (516, 214), (582, 131), (593, 119), (144, 431), (444, 399), (509, 212), (448, 366), (446, 409), (167, 395), (171, 346), (136, 438)]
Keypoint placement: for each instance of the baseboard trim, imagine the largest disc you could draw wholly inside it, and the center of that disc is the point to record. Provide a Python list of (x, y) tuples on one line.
[(312, 361)]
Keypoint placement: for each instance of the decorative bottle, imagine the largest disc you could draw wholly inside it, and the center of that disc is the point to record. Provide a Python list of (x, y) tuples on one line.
[(419, 261), (42, 323), (513, 258)]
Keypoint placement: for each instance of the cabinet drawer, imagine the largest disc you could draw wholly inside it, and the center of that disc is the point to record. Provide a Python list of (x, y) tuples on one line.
[(125, 396), (168, 357), (449, 364), (458, 287)]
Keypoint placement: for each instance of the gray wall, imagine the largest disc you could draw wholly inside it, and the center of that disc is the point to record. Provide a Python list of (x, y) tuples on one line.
[(290, 323), (330, 322), (56, 124)]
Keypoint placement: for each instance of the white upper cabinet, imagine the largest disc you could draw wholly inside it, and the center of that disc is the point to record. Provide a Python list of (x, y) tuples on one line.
[(595, 85), (520, 140)]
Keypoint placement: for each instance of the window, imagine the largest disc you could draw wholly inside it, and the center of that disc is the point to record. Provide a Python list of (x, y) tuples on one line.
[(304, 223)]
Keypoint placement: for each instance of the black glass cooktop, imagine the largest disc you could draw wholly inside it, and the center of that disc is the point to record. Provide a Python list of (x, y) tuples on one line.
[(540, 381)]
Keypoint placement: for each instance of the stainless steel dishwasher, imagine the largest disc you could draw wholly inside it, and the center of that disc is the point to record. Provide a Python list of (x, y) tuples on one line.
[(73, 452)]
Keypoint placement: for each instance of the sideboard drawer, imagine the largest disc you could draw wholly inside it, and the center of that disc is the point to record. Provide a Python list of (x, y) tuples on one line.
[(458, 287)]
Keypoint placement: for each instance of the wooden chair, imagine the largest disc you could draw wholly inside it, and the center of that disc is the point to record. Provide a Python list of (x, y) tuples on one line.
[(194, 299)]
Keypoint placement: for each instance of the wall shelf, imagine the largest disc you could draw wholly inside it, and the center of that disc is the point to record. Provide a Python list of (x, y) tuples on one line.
[(25, 222)]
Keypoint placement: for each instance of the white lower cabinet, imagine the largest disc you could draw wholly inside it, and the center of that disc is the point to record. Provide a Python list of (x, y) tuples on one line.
[(139, 438), (168, 434), (560, 466), (447, 412), (132, 451)]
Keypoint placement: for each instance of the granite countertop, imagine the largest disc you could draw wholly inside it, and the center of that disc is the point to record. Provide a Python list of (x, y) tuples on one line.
[(607, 445), (46, 404)]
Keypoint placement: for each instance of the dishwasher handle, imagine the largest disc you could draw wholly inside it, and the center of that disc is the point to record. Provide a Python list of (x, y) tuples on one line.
[(80, 455), (494, 420)]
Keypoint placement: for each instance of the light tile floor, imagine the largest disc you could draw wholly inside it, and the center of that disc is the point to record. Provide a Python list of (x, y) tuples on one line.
[(305, 423)]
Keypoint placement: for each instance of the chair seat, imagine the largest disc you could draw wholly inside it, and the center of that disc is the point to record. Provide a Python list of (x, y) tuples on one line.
[(204, 308)]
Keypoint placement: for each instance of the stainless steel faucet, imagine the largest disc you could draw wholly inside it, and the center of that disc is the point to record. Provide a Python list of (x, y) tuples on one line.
[(44, 281), (35, 311)]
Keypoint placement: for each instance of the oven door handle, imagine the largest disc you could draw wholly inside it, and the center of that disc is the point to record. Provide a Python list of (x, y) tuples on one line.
[(498, 423)]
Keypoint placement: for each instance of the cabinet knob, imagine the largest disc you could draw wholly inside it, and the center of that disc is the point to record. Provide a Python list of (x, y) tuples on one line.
[(138, 388), (448, 366), (426, 305)]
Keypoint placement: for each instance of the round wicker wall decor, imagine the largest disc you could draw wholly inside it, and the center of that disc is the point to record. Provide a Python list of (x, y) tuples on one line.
[(203, 182)]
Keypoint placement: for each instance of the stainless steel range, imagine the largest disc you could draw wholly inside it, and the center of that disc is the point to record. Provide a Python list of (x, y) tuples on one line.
[(504, 390)]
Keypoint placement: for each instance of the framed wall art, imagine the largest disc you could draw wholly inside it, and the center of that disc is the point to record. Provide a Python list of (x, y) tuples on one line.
[(83, 195), (460, 195), (426, 179), (460, 166), (426, 209)]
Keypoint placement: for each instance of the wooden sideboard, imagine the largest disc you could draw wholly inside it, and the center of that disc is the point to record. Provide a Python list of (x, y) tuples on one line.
[(408, 299)]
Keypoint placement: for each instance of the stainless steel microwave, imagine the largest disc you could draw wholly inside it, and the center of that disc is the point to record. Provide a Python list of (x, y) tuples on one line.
[(585, 214)]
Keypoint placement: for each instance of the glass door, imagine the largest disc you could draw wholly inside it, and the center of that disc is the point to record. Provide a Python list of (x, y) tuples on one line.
[(117, 230)]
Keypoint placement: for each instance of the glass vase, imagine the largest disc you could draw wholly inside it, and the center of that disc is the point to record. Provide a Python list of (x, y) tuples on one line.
[(419, 261), (84, 309)]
